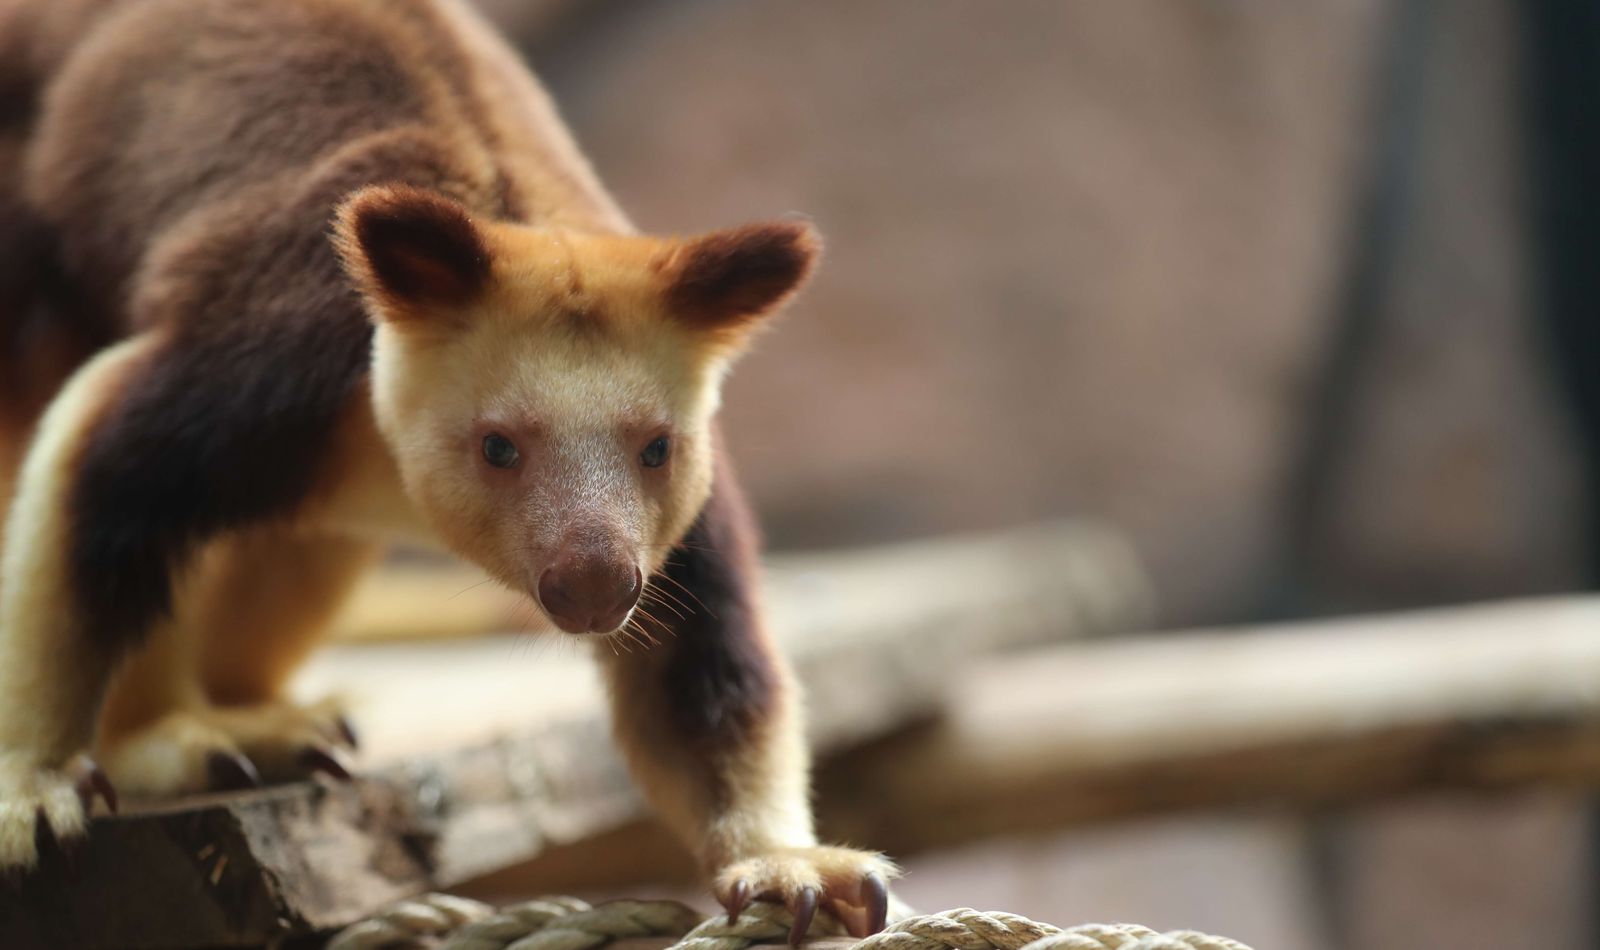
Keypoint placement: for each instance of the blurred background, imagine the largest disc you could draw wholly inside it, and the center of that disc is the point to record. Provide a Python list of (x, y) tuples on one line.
[(1299, 297)]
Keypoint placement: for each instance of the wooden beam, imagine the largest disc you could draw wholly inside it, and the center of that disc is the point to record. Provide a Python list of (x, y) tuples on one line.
[(1307, 715), (481, 753)]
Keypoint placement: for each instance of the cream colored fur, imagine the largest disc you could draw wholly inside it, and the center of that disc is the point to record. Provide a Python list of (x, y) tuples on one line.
[(51, 680), (572, 354)]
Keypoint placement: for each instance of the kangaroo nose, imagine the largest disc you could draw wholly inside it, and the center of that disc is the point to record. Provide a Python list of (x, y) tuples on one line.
[(589, 595)]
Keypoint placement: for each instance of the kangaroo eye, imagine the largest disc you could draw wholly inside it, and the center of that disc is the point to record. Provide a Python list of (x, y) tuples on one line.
[(655, 454), (499, 451)]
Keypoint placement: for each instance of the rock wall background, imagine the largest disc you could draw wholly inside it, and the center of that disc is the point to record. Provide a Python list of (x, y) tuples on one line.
[(1082, 261)]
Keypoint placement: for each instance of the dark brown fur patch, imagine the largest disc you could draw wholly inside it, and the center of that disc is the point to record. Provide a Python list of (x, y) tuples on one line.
[(45, 330), (24, 263), (727, 277), (414, 246), (204, 218), (706, 693), (225, 425), (720, 678), (230, 419)]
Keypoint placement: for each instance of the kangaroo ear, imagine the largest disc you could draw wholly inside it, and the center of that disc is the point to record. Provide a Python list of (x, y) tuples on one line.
[(411, 249), (727, 279)]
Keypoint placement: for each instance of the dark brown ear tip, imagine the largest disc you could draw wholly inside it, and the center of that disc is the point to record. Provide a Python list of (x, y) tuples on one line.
[(799, 233), (415, 244), (378, 202), (784, 251), (396, 195), (364, 197), (347, 211), (731, 277), (399, 209)]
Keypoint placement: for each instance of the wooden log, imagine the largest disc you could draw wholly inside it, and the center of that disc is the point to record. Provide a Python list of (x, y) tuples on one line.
[(1308, 715), (481, 753)]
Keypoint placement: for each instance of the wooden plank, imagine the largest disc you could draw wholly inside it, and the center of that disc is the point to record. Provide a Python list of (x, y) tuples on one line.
[(1310, 715), (481, 753)]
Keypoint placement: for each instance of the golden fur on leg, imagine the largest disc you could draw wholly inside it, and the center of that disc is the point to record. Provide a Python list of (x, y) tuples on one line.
[(208, 682), (268, 606), (152, 737), (162, 674)]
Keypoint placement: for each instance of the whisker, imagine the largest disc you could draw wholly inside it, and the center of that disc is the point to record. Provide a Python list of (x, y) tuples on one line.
[(645, 632), (627, 631), (463, 590), (643, 611), (646, 614), (623, 640), (692, 595), (526, 613), (657, 602), (663, 598), (652, 597)]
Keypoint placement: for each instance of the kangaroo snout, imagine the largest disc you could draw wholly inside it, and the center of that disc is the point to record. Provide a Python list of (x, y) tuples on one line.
[(586, 594)]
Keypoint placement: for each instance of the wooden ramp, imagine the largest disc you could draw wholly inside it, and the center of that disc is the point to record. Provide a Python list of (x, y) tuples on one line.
[(945, 712)]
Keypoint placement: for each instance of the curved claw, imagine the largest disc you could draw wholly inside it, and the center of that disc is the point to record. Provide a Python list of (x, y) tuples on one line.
[(738, 899), (230, 771), (347, 732), (805, 908), (92, 781), (875, 898), (323, 760)]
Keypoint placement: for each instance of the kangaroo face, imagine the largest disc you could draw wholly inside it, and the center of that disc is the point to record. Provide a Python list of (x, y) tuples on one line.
[(549, 396)]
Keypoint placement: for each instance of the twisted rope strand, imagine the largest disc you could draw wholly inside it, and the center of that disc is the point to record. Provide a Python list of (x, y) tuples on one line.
[(959, 929), (442, 922), (758, 923), (570, 924), (1132, 937), (410, 923)]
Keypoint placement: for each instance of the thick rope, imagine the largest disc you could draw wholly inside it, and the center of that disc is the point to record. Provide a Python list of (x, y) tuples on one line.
[(442, 922), (959, 929), (411, 923), (568, 924)]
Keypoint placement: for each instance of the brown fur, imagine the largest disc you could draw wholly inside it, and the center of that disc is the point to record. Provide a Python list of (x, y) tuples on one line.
[(181, 165), (414, 249), (741, 273), (718, 672)]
